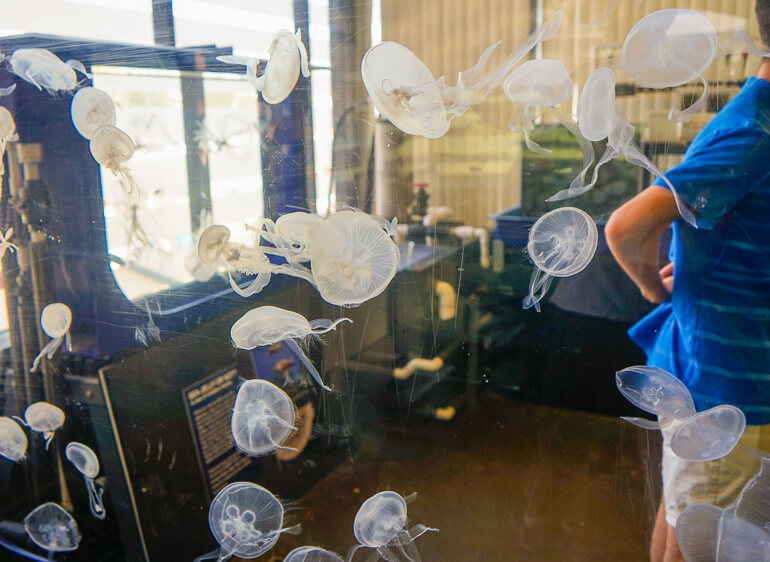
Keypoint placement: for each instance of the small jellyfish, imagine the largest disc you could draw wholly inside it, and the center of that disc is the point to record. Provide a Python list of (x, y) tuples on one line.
[(246, 521), (13, 440), (655, 391), (670, 48), (44, 70), (287, 57), (91, 109), (266, 325), (5, 240), (44, 418), (561, 243), (52, 528), (379, 524), (112, 148), (600, 117), (7, 134), (709, 435), (312, 554), (55, 319), (87, 463), (353, 259), (263, 417)]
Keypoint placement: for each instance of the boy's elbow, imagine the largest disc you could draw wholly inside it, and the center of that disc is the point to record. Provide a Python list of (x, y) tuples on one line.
[(616, 230)]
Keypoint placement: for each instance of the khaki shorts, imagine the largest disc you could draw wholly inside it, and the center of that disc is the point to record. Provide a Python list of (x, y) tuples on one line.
[(713, 482)]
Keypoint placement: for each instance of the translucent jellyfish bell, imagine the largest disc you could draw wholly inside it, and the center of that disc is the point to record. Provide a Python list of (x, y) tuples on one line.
[(91, 108), (44, 70), (404, 90), (697, 532), (52, 528), (87, 463), (561, 243), (596, 105), (655, 391), (13, 440), (296, 229), (7, 134), (709, 435), (670, 48), (246, 521), (44, 418), (286, 59), (55, 319), (353, 259), (380, 523), (263, 417), (266, 325), (312, 554)]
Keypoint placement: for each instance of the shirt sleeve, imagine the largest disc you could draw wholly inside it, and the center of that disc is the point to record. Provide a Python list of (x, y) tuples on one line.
[(718, 172)]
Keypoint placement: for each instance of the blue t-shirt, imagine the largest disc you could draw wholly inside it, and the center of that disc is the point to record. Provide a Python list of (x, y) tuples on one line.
[(714, 334)]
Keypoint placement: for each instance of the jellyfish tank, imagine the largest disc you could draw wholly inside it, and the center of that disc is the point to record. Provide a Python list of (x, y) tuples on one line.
[(373, 280)]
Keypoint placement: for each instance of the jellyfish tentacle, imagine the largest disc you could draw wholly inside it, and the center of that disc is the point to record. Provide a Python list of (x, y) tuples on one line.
[(260, 282), (48, 350), (95, 502), (533, 146), (302, 53), (420, 529), (387, 554), (48, 436), (406, 546), (352, 552), (323, 325), (644, 423), (585, 145), (280, 421), (292, 345)]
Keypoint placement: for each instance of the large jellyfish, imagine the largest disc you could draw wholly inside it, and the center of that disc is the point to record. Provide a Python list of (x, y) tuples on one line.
[(670, 48), (55, 319), (380, 523), (600, 117), (312, 554), (44, 418), (706, 533), (87, 463), (263, 417), (561, 243), (13, 440), (44, 70), (406, 93), (52, 528), (91, 108), (286, 59), (703, 436), (246, 521)]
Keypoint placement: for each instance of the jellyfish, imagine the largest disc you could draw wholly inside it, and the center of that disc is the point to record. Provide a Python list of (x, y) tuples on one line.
[(670, 48), (405, 92), (709, 435), (287, 57), (379, 524), (5, 241), (7, 134), (655, 391), (561, 243), (44, 418), (266, 325), (44, 70), (13, 440), (246, 521), (87, 463), (599, 117), (706, 533), (52, 528), (91, 109), (263, 417), (353, 259), (55, 319), (112, 148), (296, 229), (312, 554), (741, 41)]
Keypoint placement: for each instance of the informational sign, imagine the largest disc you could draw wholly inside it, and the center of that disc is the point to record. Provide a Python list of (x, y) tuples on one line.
[(209, 404)]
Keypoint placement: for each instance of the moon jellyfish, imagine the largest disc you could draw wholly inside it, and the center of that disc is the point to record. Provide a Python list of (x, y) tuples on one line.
[(353, 259), (311, 554), (13, 440), (91, 108), (55, 319), (52, 528), (600, 117), (561, 243), (286, 59), (112, 148), (296, 229), (87, 463), (44, 70), (263, 417), (380, 523), (670, 48), (710, 434), (655, 391), (246, 521), (697, 532), (44, 418), (266, 325), (405, 92)]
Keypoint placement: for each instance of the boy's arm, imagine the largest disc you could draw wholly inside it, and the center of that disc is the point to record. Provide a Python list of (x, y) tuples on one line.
[(633, 235)]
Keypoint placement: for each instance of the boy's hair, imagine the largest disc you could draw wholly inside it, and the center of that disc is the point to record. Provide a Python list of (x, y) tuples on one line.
[(763, 19)]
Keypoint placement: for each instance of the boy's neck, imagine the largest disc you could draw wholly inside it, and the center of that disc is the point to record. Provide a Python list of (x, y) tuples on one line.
[(764, 70)]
